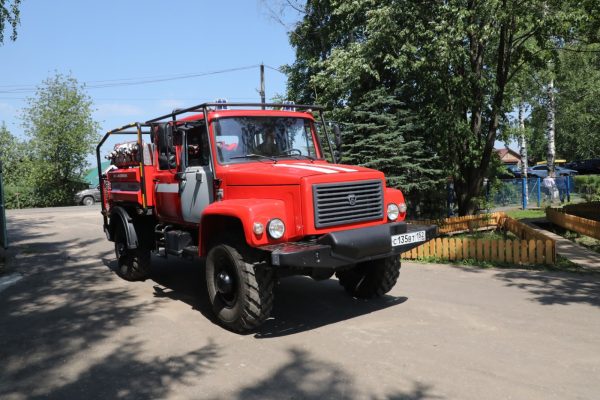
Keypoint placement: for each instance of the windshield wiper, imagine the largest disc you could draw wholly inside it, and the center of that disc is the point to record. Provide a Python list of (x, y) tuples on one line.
[(297, 156), (253, 155)]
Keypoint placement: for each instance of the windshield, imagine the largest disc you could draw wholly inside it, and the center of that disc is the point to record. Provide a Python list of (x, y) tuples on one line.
[(242, 139)]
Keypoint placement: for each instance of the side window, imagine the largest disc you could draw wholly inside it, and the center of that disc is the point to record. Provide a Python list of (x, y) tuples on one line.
[(198, 152), (166, 149)]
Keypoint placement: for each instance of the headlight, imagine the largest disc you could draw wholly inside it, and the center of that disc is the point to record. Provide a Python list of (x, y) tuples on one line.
[(276, 228), (392, 211), (402, 207), (258, 228)]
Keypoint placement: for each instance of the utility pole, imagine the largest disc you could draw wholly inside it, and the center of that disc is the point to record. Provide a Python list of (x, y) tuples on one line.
[(262, 84)]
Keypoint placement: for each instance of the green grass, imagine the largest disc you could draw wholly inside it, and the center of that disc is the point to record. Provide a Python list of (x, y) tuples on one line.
[(491, 234), (522, 214), (583, 240)]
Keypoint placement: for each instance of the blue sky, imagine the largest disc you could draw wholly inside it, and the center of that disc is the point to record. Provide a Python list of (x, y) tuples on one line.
[(107, 40)]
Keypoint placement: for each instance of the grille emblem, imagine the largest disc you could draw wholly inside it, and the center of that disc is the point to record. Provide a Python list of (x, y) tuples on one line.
[(352, 199)]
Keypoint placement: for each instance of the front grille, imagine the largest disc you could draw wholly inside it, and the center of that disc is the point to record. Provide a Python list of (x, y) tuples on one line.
[(345, 203)]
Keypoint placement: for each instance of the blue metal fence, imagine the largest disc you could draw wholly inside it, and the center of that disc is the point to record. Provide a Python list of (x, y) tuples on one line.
[(529, 193)]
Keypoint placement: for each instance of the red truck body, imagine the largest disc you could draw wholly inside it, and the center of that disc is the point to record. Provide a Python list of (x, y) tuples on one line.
[(212, 190)]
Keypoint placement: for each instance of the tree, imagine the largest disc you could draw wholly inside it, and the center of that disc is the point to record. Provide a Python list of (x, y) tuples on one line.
[(379, 129), (12, 155), (15, 170), (577, 102), (454, 63), (62, 132), (9, 15)]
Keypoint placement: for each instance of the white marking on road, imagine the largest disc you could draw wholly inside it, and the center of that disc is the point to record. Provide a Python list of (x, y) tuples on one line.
[(307, 167), (8, 280)]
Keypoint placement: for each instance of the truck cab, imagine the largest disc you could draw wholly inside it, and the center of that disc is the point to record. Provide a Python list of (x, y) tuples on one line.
[(248, 189)]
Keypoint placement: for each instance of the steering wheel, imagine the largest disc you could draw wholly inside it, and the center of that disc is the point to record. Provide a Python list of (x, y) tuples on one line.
[(290, 150)]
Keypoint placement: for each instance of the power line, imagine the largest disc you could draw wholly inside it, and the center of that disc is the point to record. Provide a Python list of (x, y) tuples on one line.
[(128, 81), (276, 69)]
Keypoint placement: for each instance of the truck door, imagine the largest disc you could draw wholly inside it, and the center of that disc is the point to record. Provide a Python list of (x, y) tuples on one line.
[(166, 184), (197, 183)]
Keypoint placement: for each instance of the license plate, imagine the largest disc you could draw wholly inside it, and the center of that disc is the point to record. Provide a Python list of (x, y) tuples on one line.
[(407, 238)]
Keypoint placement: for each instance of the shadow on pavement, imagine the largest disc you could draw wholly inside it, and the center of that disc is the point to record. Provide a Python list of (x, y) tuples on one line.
[(65, 304), (301, 304), (551, 288), (304, 377), (125, 374)]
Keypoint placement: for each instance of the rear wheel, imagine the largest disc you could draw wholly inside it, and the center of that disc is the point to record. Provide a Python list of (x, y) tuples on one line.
[(240, 289), (371, 278), (132, 264)]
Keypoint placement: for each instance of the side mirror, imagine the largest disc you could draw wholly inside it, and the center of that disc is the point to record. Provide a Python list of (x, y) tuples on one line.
[(338, 136)]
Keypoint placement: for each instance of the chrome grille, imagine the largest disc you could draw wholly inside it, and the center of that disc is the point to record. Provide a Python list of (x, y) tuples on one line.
[(344, 203)]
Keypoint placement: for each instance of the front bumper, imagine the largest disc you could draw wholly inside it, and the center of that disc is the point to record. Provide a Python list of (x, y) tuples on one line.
[(342, 248)]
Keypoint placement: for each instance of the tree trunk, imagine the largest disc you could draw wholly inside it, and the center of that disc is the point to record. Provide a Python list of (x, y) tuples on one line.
[(550, 130), (467, 187), (523, 147)]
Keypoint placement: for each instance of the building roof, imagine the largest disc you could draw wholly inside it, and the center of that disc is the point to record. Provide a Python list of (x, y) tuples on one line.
[(508, 156)]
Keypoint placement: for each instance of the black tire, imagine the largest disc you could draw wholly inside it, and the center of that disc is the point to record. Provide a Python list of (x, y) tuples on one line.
[(242, 299), (88, 201), (371, 278), (132, 264)]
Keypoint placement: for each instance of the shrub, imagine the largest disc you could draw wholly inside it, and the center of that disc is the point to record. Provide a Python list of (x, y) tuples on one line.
[(19, 196), (588, 186)]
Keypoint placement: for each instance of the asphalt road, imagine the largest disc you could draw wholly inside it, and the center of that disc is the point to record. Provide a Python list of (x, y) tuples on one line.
[(71, 329)]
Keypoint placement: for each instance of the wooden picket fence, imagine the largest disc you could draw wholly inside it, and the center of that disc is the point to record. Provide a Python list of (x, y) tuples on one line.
[(589, 210), (532, 247), (467, 223), (495, 250), (574, 223)]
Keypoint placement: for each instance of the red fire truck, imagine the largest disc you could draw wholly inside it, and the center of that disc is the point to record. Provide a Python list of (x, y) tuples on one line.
[(248, 189)]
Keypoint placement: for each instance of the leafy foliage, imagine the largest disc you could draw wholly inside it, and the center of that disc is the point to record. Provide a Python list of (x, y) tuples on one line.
[(9, 15), (15, 166), (452, 65), (13, 154), (588, 186), (578, 107), (62, 132), (340, 66)]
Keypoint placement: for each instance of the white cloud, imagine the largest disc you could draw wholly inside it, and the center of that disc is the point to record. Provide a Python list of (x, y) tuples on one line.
[(108, 110)]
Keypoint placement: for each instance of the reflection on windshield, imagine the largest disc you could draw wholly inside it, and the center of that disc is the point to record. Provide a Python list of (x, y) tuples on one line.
[(241, 139)]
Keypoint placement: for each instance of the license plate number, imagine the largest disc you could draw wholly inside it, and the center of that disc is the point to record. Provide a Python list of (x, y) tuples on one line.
[(407, 238)]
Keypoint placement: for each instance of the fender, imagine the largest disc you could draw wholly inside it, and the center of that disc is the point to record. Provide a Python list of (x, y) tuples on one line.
[(121, 215), (394, 196), (247, 211)]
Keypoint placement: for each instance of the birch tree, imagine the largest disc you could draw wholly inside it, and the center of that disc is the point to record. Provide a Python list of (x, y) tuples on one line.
[(550, 129)]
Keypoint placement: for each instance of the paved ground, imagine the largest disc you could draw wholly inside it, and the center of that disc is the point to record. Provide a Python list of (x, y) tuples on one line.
[(70, 329)]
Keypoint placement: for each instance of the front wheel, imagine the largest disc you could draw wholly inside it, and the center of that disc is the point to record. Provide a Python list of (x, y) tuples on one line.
[(371, 278), (240, 291), (88, 201)]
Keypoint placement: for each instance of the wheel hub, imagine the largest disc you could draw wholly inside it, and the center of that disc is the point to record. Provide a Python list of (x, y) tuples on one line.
[(224, 283)]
